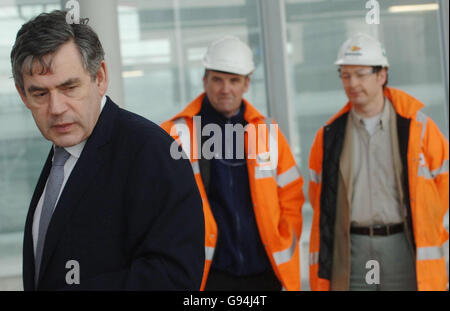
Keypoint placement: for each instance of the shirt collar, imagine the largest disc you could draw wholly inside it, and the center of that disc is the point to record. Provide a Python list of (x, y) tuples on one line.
[(383, 121), (76, 150), (103, 103)]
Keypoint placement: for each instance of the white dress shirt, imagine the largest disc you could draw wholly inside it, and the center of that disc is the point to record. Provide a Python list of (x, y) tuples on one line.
[(75, 153)]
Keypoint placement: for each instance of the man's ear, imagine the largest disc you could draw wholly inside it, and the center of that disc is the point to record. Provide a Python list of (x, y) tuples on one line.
[(102, 79), (22, 96), (204, 82), (247, 83), (382, 74)]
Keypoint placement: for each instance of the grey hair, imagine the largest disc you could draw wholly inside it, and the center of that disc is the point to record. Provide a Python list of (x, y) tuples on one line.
[(44, 35)]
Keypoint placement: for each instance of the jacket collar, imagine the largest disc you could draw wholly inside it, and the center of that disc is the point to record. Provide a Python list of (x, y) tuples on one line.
[(210, 114), (404, 104), (251, 114)]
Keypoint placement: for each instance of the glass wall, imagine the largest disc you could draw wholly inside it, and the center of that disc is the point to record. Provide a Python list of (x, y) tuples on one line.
[(163, 43)]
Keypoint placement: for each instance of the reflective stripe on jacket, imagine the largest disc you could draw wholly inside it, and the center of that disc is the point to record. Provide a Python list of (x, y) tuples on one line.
[(425, 157), (275, 186)]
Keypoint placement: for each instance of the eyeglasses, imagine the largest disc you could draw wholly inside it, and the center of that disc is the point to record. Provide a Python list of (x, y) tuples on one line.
[(359, 75)]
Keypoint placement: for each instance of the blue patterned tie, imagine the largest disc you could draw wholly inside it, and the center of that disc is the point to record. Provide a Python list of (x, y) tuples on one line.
[(55, 180)]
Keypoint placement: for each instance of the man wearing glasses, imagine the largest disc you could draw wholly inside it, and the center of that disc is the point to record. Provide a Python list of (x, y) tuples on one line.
[(379, 181)]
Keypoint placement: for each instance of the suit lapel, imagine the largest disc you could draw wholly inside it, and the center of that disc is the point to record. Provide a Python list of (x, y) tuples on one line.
[(28, 247), (82, 176)]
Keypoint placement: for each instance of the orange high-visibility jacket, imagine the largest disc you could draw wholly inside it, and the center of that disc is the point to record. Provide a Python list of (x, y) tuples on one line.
[(276, 194), (425, 153)]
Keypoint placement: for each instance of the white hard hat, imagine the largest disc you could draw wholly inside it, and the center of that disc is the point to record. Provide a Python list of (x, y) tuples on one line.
[(229, 54), (362, 49)]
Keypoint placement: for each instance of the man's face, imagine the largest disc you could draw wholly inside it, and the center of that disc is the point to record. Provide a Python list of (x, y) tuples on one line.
[(225, 91), (64, 102), (361, 85)]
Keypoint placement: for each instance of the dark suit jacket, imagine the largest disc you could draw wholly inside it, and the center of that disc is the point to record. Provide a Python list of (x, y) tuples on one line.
[(129, 214)]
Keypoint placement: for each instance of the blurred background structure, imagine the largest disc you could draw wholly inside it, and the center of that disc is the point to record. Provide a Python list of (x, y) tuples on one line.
[(154, 50)]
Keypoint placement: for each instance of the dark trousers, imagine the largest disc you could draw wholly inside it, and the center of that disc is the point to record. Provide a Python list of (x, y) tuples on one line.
[(223, 281)]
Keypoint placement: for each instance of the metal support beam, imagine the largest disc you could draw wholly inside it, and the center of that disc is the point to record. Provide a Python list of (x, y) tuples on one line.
[(103, 19), (443, 27), (273, 29)]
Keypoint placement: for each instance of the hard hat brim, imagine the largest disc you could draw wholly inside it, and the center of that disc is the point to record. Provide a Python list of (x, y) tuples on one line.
[(228, 69), (361, 63)]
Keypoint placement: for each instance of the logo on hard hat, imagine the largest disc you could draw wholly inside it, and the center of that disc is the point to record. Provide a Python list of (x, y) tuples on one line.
[(353, 51)]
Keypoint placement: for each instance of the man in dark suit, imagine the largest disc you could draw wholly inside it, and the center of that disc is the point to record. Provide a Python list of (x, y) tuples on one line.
[(112, 209)]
